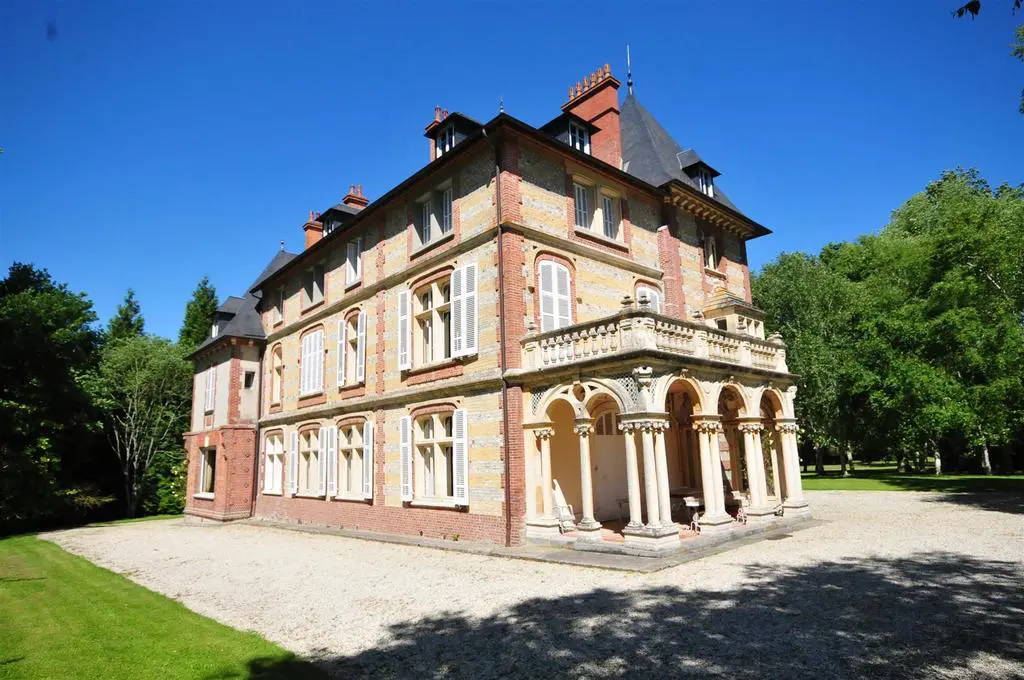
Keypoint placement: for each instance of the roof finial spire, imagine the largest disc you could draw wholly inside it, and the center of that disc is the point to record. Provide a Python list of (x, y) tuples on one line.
[(282, 245), (501, 104), (629, 72)]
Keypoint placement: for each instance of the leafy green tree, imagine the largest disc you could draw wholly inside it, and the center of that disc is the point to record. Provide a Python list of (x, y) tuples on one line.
[(127, 321), (47, 451), (142, 385), (198, 315)]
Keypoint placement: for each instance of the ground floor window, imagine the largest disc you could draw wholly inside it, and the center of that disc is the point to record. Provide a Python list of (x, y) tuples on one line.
[(207, 470), (309, 462), (433, 440), (273, 468), (350, 461)]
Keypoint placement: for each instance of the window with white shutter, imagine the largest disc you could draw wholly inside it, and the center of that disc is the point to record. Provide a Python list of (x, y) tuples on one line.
[(273, 466), (469, 310), (329, 462), (555, 296), (211, 387), (311, 459), (368, 460), (293, 463), (361, 348), (433, 217), (404, 334), (458, 318), (653, 296), (460, 462), (405, 456), (312, 377), (611, 217)]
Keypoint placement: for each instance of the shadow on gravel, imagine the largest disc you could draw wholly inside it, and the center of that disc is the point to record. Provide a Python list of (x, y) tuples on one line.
[(930, 615), (1011, 503)]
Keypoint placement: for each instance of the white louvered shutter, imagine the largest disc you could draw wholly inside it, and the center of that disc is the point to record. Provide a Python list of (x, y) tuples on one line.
[(404, 332), (304, 368), (317, 379), (457, 325), (446, 211), (548, 320), (208, 395), (367, 459), (563, 289), (460, 453), (581, 194), (361, 348), (293, 464), (405, 456), (332, 461), (470, 317), (323, 440), (341, 352), (266, 466)]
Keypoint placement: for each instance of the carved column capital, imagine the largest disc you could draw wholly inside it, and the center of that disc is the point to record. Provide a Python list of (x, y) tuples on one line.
[(583, 426), (787, 427), (544, 432), (709, 426), (752, 428), (628, 426)]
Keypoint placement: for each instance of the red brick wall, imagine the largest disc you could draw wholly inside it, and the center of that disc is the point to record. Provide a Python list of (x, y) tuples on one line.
[(600, 106), (233, 480), (668, 260)]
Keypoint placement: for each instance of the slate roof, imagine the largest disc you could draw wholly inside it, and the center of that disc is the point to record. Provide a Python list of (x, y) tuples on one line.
[(650, 153), (245, 318)]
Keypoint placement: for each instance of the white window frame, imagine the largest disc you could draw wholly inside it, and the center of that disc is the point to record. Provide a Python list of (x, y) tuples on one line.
[(706, 182), (311, 461), (461, 334), (276, 375), (203, 482), (314, 286), (611, 216), (273, 466), (351, 449), (444, 140), (278, 313), (431, 323), (423, 451), (555, 300), (579, 137), (653, 294), (312, 370), (354, 260), (711, 257), (436, 211), (583, 213)]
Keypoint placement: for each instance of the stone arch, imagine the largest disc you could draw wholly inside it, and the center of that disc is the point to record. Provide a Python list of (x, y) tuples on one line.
[(579, 394), (773, 402), (734, 391), (667, 383)]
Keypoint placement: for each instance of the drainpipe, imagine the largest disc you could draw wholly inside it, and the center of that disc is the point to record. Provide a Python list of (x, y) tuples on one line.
[(259, 415), (501, 339)]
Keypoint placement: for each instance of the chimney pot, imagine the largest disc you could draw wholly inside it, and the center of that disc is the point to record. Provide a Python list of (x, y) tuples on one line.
[(444, 114), (437, 114)]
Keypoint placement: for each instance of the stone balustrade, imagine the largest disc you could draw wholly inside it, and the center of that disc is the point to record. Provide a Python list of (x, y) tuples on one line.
[(635, 330)]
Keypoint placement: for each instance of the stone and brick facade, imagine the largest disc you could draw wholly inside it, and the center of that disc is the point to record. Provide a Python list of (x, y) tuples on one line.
[(437, 362)]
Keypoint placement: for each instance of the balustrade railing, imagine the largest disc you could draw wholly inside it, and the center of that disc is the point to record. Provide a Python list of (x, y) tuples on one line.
[(634, 330)]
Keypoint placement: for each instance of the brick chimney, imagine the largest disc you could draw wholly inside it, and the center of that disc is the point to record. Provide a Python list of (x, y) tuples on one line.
[(354, 198), (596, 100), (314, 230), (431, 130)]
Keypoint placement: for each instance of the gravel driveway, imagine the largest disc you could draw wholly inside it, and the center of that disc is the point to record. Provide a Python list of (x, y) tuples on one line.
[(894, 585)]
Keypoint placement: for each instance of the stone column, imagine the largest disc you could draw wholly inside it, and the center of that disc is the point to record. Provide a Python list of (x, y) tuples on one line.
[(759, 506), (587, 526), (650, 475), (714, 515), (632, 476), (548, 500), (794, 503), (661, 463)]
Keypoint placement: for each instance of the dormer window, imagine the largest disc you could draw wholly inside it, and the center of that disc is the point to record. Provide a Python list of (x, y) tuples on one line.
[(331, 225), (579, 138), (706, 182), (213, 331), (444, 141), (710, 252)]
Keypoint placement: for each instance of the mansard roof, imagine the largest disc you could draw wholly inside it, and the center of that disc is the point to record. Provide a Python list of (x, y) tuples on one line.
[(650, 153), (243, 312)]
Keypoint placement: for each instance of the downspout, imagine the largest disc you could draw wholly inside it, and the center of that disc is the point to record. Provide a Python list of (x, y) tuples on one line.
[(501, 339), (259, 416)]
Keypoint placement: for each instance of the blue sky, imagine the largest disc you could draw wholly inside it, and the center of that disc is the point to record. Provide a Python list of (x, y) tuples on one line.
[(150, 143)]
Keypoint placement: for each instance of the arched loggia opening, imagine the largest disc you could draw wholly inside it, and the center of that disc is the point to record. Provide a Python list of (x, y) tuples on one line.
[(770, 410)]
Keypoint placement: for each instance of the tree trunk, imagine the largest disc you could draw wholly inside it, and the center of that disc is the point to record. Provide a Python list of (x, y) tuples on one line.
[(819, 461), (986, 463)]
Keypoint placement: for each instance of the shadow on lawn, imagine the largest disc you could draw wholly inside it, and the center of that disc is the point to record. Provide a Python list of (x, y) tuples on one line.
[(930, 615)]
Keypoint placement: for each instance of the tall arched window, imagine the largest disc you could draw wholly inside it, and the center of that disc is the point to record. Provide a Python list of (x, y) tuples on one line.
[(555, 296)]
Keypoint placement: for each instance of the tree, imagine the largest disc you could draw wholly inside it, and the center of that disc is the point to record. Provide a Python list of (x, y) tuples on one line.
[(143, 386), (47, 453), (198, 315), (127, 321)]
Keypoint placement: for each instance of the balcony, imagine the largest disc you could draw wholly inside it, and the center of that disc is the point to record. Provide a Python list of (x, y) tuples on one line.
[(636, 331)]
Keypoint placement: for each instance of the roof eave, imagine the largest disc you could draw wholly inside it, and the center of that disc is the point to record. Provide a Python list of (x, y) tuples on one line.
[(708, 209)]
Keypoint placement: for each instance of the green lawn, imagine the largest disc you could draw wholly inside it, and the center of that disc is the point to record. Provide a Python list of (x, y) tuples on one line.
[(63, 617), (883, 477)]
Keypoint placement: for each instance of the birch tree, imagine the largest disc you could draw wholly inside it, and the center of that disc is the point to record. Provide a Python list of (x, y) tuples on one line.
[(143, 387)]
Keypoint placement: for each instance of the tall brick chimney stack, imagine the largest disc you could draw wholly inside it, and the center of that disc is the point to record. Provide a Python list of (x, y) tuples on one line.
[(354, 198), (314, 230), (596, 100)]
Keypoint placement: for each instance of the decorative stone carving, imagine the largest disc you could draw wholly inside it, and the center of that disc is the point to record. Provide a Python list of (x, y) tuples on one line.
[(544, 432), (583, 427)]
